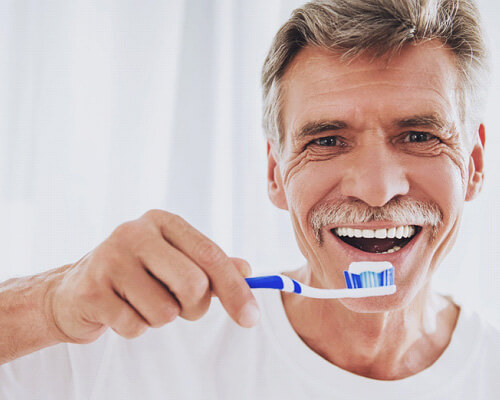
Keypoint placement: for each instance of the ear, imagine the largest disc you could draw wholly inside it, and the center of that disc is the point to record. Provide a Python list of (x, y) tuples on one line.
[(275, 187), (476, 165)]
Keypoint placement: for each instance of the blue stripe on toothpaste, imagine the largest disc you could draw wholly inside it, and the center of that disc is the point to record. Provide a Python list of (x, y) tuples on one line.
[(348, 279)]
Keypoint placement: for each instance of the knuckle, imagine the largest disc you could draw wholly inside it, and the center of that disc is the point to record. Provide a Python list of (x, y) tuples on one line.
[(117, 317), (106, 262), (127, 324), (100, 263), (140, 329), (197, 297), (208, 253), (155, 215), (166, 314), (177, 223), (108, 255), (197, 312), (197, 286), (134, 330), (127, 231)]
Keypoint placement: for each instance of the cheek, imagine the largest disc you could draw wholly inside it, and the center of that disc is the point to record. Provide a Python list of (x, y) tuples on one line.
[(306, 182), (441, 178)]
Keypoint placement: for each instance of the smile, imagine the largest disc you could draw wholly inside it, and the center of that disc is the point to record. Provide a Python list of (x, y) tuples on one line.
[(381, 241)]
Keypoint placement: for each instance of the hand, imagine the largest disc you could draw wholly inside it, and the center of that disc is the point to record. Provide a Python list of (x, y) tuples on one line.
[(145, 274)]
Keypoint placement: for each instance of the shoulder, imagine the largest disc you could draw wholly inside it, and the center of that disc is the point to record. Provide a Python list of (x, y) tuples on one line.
[(478, 332), (480, 323), (490, 333)]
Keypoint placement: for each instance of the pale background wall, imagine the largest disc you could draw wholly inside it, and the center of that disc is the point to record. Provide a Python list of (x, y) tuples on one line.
[(110, 108)]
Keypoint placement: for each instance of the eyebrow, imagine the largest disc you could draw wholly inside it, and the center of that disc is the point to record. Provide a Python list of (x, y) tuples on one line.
[(420, 120), (315, 127), (425, 120)]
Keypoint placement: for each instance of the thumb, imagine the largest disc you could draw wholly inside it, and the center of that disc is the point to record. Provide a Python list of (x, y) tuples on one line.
[(242, 265)]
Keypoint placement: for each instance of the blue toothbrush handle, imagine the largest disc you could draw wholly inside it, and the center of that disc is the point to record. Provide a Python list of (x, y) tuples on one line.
[(274, 282), (265, 282)]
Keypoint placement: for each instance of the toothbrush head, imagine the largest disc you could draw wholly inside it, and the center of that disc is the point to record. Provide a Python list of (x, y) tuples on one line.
[(369, 274)]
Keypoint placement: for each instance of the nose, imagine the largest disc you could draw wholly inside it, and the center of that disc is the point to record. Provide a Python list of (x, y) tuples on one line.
[(374, 175)]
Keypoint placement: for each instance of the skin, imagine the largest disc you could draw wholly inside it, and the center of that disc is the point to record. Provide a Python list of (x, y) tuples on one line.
[(373, 160)]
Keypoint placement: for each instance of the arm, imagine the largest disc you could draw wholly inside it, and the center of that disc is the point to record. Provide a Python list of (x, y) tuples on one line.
[(145, 274), (24, 318)]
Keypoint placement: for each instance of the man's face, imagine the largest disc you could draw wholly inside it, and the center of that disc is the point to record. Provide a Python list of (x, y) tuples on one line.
[(381, 138)]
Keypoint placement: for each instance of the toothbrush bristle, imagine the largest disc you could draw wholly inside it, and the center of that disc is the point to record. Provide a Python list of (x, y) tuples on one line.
[(369, 279)]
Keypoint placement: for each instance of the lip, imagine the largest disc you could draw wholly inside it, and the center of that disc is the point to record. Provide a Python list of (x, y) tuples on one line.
[(355, 254)]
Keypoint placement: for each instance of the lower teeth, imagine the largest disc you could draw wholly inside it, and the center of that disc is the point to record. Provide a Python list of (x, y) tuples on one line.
[(395, 248)]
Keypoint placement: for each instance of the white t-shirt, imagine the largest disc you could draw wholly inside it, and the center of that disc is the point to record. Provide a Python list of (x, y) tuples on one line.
[(214, 358)]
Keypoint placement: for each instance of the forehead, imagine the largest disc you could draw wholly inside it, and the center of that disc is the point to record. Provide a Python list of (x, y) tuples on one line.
[(317, 85)]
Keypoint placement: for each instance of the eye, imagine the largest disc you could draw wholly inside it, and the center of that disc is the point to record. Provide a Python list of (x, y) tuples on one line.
[(328, 141), (418, 137)]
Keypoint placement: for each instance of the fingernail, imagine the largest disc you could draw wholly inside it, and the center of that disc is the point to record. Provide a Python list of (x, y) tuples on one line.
[(246, 270), (247, 273), (250, 315)]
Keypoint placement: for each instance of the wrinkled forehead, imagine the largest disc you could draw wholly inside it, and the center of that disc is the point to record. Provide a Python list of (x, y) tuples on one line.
[(317, 84)]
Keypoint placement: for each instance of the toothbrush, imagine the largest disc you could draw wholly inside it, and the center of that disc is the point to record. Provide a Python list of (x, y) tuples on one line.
[(363, 279)]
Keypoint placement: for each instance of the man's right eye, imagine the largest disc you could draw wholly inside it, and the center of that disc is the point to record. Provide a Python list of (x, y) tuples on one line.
[(328, 141), (418, 137)]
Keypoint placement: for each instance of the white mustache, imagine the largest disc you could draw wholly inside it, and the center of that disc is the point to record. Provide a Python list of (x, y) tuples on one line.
[(402, 211)]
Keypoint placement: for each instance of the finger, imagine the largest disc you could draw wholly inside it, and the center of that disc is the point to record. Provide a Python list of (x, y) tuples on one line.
[(120, 316), (149, 297), (242, 266), (184, 279), (225, 280)]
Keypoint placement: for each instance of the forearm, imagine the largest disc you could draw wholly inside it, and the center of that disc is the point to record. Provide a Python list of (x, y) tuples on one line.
[(25, 318)]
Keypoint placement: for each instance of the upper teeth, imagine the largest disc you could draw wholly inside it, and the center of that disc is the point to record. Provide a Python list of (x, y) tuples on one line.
[(399, 232)]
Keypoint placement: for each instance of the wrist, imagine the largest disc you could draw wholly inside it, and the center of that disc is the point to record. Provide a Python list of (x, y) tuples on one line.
[(54, 332), (23, 314)]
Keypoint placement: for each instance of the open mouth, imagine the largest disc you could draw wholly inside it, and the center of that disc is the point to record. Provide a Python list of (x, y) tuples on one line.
[(381, 241)]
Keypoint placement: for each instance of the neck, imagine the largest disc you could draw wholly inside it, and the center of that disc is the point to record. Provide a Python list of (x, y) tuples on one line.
[(387, 346)]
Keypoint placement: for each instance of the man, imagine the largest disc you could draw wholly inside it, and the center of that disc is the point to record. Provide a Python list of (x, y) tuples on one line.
[(372, 114)]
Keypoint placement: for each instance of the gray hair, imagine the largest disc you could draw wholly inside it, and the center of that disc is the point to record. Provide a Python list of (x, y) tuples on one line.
[(350, 27)]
